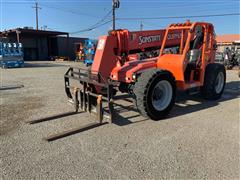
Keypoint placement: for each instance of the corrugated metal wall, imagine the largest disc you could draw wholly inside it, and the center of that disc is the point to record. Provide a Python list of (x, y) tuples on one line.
[(62, 44), (42, 47)]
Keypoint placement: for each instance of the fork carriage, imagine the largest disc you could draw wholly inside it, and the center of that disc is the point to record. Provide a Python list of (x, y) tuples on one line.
[(83, 96)]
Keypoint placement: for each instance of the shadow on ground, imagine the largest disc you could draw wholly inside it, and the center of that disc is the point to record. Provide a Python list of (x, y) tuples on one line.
[(182, 107), (42, 65)]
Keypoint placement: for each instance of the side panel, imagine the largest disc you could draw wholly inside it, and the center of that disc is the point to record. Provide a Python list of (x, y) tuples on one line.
[(140, 40), (105, 59), (175, 64)]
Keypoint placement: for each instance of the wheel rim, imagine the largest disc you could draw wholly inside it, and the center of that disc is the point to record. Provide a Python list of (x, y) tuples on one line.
[(219, 82), (162, 95)]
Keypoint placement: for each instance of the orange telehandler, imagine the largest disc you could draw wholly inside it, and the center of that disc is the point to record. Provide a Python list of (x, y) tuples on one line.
[(186, 60)]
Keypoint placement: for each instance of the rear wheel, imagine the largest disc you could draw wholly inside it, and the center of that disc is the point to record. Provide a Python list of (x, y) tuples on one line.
[(155, 92), (214, 82)]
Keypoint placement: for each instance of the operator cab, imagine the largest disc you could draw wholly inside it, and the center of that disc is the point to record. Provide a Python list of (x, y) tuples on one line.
[(196, 45), (186, 50), (194, 54)]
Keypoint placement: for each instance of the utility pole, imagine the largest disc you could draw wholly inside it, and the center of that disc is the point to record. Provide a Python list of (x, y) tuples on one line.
[(115, 5), (113, 18), (141, 26), (36, 7)]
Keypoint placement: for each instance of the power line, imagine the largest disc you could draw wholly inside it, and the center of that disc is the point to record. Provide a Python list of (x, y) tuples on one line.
[(106, 16), (154, 24), (157, 1), (179, 17), (68, 11), (92, 28), (166, 17), (180, 5), (184, 6), (100, 23)]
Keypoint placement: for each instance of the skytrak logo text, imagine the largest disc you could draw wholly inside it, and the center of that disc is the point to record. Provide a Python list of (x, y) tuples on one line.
[(149, 39)]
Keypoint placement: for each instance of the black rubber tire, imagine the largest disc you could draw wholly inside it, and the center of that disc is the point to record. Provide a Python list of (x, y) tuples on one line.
[(143, 90), (208, 90)]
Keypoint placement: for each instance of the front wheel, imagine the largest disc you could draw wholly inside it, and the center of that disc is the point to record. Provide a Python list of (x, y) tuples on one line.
[(155, 92), (214, 81)]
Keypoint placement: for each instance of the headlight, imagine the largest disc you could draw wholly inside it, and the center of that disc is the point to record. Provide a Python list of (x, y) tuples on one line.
[(134, 76)]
